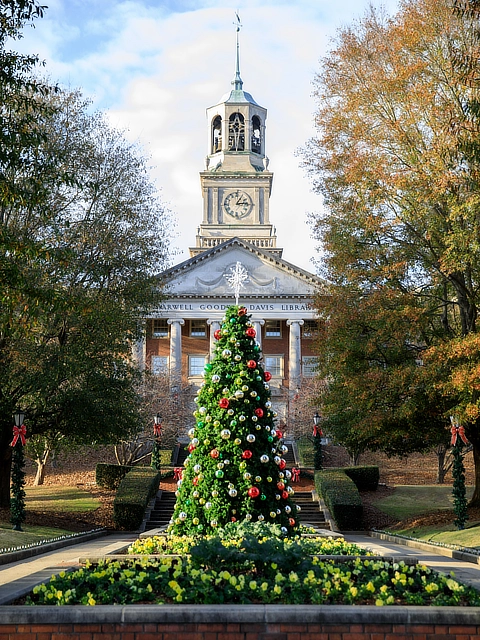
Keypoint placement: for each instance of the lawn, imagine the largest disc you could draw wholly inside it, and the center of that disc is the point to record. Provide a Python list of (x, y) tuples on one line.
[(46, 499)]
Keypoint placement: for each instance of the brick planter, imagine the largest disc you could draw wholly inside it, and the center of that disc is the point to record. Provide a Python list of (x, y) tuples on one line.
[(238, 622)]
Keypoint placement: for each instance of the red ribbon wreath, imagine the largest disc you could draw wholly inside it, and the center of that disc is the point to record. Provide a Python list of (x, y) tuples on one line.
[(19, 432)]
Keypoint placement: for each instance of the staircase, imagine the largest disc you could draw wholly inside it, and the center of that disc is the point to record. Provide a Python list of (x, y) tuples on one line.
[(311, 514), (162, 511)]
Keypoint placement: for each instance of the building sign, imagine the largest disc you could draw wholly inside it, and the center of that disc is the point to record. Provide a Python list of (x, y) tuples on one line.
[(204, 307)]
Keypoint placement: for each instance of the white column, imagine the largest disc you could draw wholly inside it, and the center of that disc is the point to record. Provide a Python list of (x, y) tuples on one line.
[(294, 353), (140, 352), (257, 325), (175, 363), (214, 326)]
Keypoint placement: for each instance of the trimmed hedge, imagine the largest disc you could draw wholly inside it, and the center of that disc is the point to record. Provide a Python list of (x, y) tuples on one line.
[(365, 478), (341, 498), (109, 476), (134, 493)]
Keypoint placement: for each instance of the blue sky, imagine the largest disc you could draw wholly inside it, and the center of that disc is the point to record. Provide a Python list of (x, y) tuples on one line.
[(156, 66)]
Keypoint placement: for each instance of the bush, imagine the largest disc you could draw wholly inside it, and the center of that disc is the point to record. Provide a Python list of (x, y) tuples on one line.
[(341, 498), (365, 478), (134, 493), (305, 451), (109, 476)]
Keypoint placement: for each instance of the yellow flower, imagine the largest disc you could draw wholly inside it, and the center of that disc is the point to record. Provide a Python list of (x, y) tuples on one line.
[(277, 589), (379, 602), (370, 587), (293, 577), (264, 586), (354, 591), (253, 585)]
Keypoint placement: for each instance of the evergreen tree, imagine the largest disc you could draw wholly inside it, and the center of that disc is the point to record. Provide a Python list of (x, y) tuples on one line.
[(459, 490), (235, 470)]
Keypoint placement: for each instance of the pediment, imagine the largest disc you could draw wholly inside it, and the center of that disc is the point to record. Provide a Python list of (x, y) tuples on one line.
[(207, 274)]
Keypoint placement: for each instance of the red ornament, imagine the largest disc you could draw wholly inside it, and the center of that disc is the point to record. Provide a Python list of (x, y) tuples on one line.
[(254, 492), (191, 447), (281, 485), (233, 519), (214, 453), (195, 481), (259, 412), (279, 434), (284, 495), (223, 403), (217, 334), (242, 311), (251, 333), (291, 522), (247, 454), (282, 464), (268, 376), (251, 364)]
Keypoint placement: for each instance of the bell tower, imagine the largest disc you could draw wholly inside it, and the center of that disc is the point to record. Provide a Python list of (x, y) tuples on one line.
[(236, 184)]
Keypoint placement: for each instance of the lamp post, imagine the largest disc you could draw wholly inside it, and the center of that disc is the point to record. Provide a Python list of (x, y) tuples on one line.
[(157, 432), (17, 506), (317, 441)]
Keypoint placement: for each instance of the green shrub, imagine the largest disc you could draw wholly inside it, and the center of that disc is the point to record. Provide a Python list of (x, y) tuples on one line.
[(109, 476), (306, 451), (135, 491), (341, 498), (365, 478)]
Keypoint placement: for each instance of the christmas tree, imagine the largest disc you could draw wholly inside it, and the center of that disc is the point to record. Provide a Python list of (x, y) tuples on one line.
[(235, 470)]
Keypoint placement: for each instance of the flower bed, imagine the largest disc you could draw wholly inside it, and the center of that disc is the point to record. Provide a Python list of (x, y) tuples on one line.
[(252, 569)]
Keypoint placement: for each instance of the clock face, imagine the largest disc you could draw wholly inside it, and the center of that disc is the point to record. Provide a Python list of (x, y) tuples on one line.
[(237, 204)]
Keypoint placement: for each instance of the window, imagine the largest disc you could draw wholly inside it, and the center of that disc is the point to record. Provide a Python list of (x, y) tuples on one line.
[(217, 134), (196, 365), (274, 364), (273, 329), (160, 328), (309, 328), (236, 132), (309, 364), (198, 328), (256, 135), (159, 365)]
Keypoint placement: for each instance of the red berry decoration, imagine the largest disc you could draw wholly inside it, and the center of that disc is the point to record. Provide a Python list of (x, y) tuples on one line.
[(217, 334), (247, 454), (268, 376), (259, 412), (284, 495), (251, 333), (282, 464), (251, 364), (223, 403), (254, 492), (214, 453)]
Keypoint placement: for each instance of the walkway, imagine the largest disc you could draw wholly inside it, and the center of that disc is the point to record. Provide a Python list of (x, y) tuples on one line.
[(18, 578)]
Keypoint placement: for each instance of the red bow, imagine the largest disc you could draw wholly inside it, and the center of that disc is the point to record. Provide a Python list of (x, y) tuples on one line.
[(177, 473), (458, 431), (19, 432), (317, 431), (295, 474), (157, 429)]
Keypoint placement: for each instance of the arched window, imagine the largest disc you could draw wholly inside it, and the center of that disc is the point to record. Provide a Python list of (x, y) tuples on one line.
[(216, 134), (236, 132), (256, 135)]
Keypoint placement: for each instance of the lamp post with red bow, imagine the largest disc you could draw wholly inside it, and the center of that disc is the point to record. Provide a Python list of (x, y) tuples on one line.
[(458, 471), (17, 505), (157, 432), (317, 441)]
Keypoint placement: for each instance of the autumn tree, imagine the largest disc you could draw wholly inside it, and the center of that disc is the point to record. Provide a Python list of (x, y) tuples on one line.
[(395, 160)]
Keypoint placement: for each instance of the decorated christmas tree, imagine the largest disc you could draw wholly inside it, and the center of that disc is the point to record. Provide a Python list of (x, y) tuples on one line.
[(235, 470)]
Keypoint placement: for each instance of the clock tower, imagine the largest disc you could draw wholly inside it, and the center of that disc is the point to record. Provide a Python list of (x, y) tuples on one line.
[(236, 184)]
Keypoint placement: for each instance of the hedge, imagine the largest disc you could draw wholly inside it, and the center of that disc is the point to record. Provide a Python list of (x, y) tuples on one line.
[(134, 493), (109, 476), (365, 478), (341, 498)]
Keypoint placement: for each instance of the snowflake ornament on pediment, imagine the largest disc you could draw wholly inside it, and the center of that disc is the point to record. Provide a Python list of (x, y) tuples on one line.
[(236, 278)]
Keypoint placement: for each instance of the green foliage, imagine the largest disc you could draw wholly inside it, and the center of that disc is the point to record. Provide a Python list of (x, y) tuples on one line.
[(459, 490), (341, 497), (134, 493), (109, 476), (156, 461), (365, 478), (315, 581), (318, 455), (17, 507), (306, 452), (235, 469)]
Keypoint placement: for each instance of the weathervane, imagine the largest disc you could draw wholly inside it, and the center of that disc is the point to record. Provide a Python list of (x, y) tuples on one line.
[(237, 276)]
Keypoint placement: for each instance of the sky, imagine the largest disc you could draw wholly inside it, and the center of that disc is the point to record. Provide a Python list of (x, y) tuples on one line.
[(155, 66)]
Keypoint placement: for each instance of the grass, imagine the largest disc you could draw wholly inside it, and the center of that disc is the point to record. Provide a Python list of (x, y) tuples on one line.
[(446, 534), (47, 499), (409, 501)]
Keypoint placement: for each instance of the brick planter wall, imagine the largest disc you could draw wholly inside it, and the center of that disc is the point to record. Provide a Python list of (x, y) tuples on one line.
[(238, 622)]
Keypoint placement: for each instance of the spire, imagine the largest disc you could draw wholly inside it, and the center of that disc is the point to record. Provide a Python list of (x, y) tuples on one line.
[(237, 81)]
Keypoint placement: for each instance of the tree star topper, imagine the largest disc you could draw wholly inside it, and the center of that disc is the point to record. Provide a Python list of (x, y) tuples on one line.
[(237, 276)]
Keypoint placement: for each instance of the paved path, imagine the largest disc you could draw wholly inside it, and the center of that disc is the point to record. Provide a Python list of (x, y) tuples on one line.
[(17, 578)]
